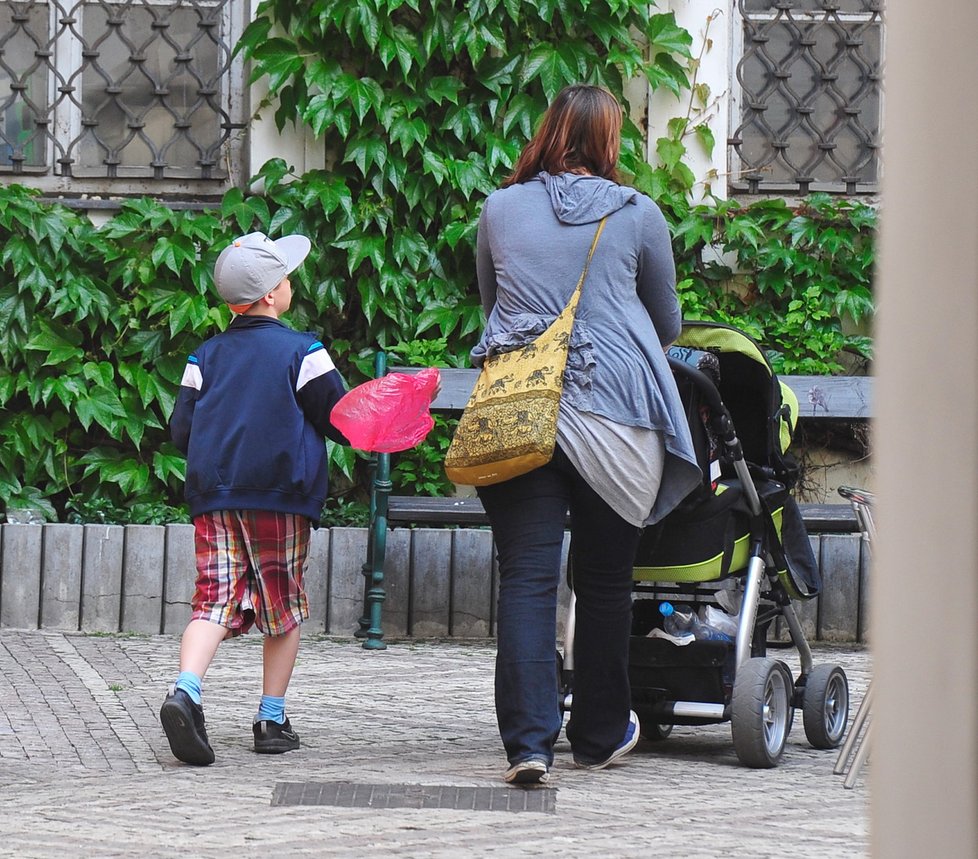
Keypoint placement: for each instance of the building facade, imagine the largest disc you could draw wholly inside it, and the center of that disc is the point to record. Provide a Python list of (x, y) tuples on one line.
[(103, 98)]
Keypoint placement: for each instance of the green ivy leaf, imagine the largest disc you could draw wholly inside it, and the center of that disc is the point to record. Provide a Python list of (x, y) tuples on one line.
[(278, 59), (365, 152), (665, 35), (705, 136), (435, 166), (102, 406), (670, 151), (61, 344), (409, 133), (112, 466), (444, 88), (68, 389), (400, 43), (173, 252), (362, 19), (363, 247), (410, 248), (169, 463), (522, 112), (365, 94)]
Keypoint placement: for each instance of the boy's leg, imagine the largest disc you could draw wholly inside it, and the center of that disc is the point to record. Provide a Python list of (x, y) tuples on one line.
[(272, 729), (278, 660), (200, 641), (278, 546), (221, 568), (182, 715)]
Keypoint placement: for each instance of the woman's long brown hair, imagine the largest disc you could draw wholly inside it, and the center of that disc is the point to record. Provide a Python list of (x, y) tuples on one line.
[(581, 131)]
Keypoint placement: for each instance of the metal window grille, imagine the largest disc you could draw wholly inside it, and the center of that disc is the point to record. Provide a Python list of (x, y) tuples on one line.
[(810, 96), (116, 89)]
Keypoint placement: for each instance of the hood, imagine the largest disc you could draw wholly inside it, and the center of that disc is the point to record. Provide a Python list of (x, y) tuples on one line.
[(584, 199)]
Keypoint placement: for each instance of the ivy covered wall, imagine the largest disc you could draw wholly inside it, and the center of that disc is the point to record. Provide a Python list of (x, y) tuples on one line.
[(422, 109)]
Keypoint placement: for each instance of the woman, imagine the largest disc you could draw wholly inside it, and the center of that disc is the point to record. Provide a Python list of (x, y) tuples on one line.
[(623, 458)]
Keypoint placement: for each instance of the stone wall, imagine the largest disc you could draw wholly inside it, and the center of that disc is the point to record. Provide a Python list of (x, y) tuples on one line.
[(440, 582)]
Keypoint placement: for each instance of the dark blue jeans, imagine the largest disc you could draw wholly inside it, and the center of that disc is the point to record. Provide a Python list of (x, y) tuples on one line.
[(527, 515)]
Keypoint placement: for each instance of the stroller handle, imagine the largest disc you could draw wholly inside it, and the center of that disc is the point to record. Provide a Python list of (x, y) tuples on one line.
[(700, 379), (720, 420), (722, 424)]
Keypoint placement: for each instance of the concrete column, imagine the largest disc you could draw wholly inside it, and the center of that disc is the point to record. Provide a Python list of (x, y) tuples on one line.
[(924, 614)]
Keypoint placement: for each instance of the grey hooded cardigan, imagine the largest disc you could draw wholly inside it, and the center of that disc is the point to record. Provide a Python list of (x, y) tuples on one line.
[(532, 243)]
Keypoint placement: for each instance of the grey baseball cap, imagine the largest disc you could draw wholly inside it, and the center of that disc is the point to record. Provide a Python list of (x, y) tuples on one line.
[(253, 265)]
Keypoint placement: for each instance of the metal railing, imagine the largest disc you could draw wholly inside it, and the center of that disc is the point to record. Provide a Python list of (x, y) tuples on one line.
[(139, 90), (855, 751), (810, 96)]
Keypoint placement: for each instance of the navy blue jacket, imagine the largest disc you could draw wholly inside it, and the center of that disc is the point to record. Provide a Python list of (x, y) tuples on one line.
[(252, 411)]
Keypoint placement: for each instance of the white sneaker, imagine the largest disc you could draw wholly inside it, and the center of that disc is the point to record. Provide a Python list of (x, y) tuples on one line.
[(530, 771)]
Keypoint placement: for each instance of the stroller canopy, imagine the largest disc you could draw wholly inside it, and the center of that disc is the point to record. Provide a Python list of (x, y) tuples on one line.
[(764, 410)]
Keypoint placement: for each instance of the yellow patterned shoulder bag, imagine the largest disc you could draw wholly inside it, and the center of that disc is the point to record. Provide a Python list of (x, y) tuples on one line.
[(509, 425)]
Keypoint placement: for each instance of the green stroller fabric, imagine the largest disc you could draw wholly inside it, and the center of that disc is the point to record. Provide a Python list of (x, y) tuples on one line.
[(708, 536)]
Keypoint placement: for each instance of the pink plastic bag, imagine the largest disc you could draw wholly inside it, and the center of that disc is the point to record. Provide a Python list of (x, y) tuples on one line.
[(389, 414)]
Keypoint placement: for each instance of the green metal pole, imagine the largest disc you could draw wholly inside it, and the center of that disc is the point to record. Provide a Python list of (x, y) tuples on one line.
[(366, 569), (374, 594)]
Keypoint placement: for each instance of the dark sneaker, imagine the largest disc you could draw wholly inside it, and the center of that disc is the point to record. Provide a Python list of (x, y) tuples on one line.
[(632, 733), (183, 722), (272, 738), (528, 772)]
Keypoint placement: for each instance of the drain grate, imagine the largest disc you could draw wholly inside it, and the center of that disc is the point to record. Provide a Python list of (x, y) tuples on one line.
[(350, 795)]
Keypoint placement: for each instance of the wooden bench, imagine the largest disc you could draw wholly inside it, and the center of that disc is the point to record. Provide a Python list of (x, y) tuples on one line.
[(819, 398)]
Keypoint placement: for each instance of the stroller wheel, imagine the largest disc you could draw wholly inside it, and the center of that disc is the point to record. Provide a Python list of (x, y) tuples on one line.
[(565, 685), (826, 706), (654, 731), (760, 712)]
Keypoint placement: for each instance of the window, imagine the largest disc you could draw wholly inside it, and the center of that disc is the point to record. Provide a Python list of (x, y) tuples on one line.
[(809, 99), (121, 95)]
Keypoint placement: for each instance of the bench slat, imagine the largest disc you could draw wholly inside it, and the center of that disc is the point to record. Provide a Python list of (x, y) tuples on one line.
[(819, 397), (818, 518), (832, 396)]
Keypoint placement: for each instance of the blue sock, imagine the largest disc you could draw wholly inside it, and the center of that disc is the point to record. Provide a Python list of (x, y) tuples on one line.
[(271, 708), (190, 683)]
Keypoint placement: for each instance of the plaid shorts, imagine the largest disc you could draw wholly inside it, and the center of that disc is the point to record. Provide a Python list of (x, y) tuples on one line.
[(249, 570)]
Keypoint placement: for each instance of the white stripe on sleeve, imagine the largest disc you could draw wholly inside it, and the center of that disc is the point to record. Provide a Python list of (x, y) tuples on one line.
[(314, 365), (192, 378)]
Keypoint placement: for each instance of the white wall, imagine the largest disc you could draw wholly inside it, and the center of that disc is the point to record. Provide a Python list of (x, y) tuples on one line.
[(298, 147), (705, 20)]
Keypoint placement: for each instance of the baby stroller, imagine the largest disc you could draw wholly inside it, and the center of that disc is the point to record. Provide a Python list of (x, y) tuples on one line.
[(738, 543)]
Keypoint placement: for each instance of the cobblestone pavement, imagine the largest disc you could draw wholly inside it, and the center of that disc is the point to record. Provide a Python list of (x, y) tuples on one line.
[(85, 769)]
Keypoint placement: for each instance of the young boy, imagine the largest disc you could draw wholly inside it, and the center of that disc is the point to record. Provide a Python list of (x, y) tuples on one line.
[(253, 408)]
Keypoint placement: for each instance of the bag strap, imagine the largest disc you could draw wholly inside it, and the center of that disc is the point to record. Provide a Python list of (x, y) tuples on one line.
[(572, 303), (570, 308), (590, 253), (576, 294)]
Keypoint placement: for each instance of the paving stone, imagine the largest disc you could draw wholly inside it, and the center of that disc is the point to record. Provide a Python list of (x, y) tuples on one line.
[(86, 770)]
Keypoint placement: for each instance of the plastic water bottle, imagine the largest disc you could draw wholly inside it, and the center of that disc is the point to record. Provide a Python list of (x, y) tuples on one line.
[(682, 620), (721, 621), (677, 623)]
